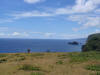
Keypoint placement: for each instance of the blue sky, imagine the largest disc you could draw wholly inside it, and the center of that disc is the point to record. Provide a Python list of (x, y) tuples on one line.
[(49, 19)]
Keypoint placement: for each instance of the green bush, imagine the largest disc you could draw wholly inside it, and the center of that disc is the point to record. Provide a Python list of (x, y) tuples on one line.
[(27, 67)]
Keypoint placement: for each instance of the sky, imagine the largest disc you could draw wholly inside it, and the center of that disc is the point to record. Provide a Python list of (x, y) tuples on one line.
[(49, 19)]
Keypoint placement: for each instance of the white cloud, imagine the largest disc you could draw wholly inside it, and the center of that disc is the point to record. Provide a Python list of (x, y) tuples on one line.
[(31, 14), (16, 34), (33, 1), (81, 12), (81, 6), (97, 31), (86, 21), (47, 34)]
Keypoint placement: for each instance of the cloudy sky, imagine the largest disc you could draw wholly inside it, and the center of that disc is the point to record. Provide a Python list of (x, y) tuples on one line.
[(49, 19)]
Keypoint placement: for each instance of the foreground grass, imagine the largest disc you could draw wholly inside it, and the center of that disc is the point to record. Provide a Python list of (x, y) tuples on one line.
[(50, 64)]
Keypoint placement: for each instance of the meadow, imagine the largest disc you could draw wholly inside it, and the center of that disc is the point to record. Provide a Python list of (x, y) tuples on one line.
[(76, 63)]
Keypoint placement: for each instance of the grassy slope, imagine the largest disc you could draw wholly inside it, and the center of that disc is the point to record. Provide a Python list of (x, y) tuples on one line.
[(50, 64)]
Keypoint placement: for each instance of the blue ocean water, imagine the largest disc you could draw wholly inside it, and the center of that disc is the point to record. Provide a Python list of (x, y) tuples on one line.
[(38, 45)]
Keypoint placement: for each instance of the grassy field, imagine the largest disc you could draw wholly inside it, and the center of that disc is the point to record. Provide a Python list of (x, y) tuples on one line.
[(50, 64)]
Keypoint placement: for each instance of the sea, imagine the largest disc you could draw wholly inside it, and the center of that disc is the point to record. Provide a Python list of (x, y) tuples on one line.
[(39, 45)]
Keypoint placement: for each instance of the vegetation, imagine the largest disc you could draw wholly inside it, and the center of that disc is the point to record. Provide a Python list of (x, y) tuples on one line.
[(86, 63), (28, 67), (93, 67), (93, 43)]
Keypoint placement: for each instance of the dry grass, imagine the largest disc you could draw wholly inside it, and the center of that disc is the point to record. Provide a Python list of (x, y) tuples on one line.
[(49, 63)]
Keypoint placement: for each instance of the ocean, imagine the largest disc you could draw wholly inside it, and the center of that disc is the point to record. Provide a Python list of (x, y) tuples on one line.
[(39, 45)]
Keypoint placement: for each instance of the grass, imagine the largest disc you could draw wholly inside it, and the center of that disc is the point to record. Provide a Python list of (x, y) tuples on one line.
[(37, 73), (28, 67), (83, 57), (3, 55), (94, 67), (59, 62), (98, 73), (50, 63)]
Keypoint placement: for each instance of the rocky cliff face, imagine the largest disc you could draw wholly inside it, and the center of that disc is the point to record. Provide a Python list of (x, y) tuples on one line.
[(93, 43)]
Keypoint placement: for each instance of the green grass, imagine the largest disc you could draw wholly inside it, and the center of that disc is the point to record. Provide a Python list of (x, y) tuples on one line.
[(95, 67), (28, 67), (83, 57), (3, 55)]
